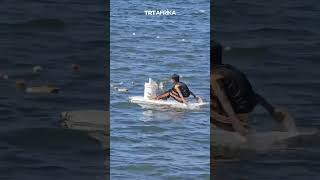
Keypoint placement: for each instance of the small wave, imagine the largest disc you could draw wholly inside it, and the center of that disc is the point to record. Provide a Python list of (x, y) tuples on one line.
[(164, 52), (304, 7), (247, 50), (120, 69), (148, 129), (138, 167), (229, 145), (42, 23), (284, 31), (38, 138), (123, 105)]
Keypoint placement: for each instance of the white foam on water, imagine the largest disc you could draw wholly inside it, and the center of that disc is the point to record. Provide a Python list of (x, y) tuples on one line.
[(262, 141), (258, 141), (156, 104)]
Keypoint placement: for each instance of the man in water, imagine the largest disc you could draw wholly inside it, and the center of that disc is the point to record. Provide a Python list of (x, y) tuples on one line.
[(233, 98), (179, 92)]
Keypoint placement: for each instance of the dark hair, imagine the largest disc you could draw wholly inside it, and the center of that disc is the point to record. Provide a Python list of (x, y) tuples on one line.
[(216, 51), (175, 77)]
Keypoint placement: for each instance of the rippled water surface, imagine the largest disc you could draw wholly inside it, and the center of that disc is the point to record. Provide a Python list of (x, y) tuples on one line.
[(154, 144), (276, 43), (53, 35)]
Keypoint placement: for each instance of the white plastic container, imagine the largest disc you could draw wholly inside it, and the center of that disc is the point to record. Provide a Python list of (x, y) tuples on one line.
[(150, 89)]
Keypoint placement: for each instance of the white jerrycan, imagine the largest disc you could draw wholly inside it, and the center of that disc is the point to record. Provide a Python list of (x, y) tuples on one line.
[(150, 89)]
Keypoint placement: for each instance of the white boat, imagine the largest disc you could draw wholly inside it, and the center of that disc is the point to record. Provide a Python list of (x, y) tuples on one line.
[(146, 101), (259, 141), (94, 122)]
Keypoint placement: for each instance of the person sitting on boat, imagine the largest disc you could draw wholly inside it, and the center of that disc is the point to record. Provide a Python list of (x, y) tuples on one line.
[(233, 98), (179, 92)]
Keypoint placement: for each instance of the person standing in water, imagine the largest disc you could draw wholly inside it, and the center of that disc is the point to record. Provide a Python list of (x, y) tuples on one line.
[(179, 91), (233, 98)]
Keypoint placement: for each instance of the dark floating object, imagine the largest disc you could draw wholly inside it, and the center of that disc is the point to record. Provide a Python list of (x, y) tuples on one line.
[(75, 67), (43, 89), (4, 76), (21, 85)]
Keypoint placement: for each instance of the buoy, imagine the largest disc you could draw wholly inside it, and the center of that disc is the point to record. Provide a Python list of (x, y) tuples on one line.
[(21, 85), (37, 69)]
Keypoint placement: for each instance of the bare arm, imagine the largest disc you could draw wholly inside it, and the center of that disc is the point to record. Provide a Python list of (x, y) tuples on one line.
[(264, 103), (193, 94), (279, 116), (222, 118), (180, 94), (225, 102)]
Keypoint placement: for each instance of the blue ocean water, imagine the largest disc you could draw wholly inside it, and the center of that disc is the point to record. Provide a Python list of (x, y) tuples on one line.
[(152, 144)]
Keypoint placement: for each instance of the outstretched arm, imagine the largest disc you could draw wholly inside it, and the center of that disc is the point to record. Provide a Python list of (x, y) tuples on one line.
[(193, 94), (282, 117), (277, 115), (264, 103), (198, 98), (180, 94)]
